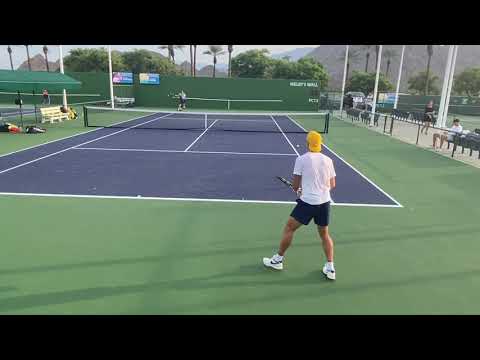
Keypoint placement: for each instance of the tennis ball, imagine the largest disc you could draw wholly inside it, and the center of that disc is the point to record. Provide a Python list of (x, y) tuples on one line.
[(298, 145)]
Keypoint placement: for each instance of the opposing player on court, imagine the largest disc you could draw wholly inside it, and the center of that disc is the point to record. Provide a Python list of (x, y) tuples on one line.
[(182, 101), (315, 175)]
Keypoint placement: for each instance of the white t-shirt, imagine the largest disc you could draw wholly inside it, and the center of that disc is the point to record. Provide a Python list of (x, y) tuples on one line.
[(316, 170), (458, 129)]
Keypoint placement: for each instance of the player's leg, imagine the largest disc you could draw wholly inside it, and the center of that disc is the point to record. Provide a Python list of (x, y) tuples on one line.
[(427, 127), (443, 138), (435, 138), (276, 261), (327, 242), (322, 219), (301, 215), (291, 226)]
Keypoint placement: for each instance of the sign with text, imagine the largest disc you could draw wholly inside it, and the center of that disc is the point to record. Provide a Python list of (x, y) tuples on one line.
[(122, 78), (152, 79)]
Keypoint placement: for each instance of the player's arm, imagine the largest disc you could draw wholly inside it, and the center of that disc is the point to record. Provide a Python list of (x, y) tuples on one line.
[(296, 182), (333, 175), (332, 183)]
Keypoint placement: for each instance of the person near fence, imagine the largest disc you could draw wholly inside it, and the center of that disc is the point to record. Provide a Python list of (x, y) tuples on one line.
[(428, 117), (45, 97), (447, 135)]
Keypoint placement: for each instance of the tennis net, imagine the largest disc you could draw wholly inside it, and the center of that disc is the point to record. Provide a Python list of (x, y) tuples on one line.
[(232, 104), (201, 121)]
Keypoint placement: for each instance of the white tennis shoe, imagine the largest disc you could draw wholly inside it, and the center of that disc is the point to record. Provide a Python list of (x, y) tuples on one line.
[(274, 264), (329, 273)]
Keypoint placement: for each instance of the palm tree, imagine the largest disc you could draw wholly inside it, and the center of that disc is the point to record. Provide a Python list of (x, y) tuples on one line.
[(367, 48), (353, 56), (45, 51), (171, 50), (195, 60), (166, 47), (9, 49), (28, 58), (191, 60), (230, 50), (389, 54), (214, 50), (430, 54)]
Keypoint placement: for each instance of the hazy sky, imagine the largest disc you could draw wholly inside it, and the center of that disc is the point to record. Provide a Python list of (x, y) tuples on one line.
[(19, 52)]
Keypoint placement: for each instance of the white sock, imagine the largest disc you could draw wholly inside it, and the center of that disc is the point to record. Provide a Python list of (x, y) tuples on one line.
[(330, 265), (277, 257)]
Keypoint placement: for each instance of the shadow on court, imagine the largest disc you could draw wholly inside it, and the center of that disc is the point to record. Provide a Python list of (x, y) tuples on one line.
[(321, 287), (350, 238)]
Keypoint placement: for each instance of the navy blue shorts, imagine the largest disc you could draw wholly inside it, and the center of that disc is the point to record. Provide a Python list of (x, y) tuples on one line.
[(304, 213)]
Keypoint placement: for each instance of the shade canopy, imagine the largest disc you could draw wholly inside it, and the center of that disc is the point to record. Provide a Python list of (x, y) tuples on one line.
[(37, 81)]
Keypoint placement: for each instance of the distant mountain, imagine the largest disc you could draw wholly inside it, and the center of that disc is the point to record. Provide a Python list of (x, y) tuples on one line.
[(415, 60), (208, 71), (185, 67), (222, 67), (37, 63), (294, 54)]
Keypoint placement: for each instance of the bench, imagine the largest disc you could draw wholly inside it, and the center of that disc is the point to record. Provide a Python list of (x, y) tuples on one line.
[(52, 114), (353, 114), (123, 101), (470, 141), (400, 115)]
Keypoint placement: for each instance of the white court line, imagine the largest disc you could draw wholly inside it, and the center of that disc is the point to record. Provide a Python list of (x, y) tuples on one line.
[(199, 136), (72, 136), (226, 119), (293, 147), (84, 143), (368, 205), (183, 151), (366, 178), (354, 169), (178, 199)]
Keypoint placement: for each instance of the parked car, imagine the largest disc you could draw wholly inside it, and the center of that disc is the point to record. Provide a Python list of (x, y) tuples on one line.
[(357, 97), (367, 103)]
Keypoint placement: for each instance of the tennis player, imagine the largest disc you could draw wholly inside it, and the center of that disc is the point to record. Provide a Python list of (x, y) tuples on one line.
[(315, 175), (183, 101)]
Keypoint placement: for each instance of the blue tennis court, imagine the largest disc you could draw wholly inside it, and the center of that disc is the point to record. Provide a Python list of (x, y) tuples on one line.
[(219, 158)]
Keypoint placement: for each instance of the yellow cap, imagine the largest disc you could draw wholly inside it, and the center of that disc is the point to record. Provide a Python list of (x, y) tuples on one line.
[(314, 140)]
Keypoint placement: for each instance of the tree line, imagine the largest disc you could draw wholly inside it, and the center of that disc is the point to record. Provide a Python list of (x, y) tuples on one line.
[(258, 64)]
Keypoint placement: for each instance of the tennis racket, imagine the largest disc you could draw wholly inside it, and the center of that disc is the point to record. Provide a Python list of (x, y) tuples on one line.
[(290, 185), (285, 181)]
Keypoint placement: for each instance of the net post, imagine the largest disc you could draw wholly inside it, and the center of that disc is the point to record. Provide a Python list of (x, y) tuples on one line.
[(327, 122), (206, 121), (35, 110), (85, 116), (228, 104)]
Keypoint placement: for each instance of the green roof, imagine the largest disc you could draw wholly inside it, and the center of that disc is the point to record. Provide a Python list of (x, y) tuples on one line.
[(28, 81)]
